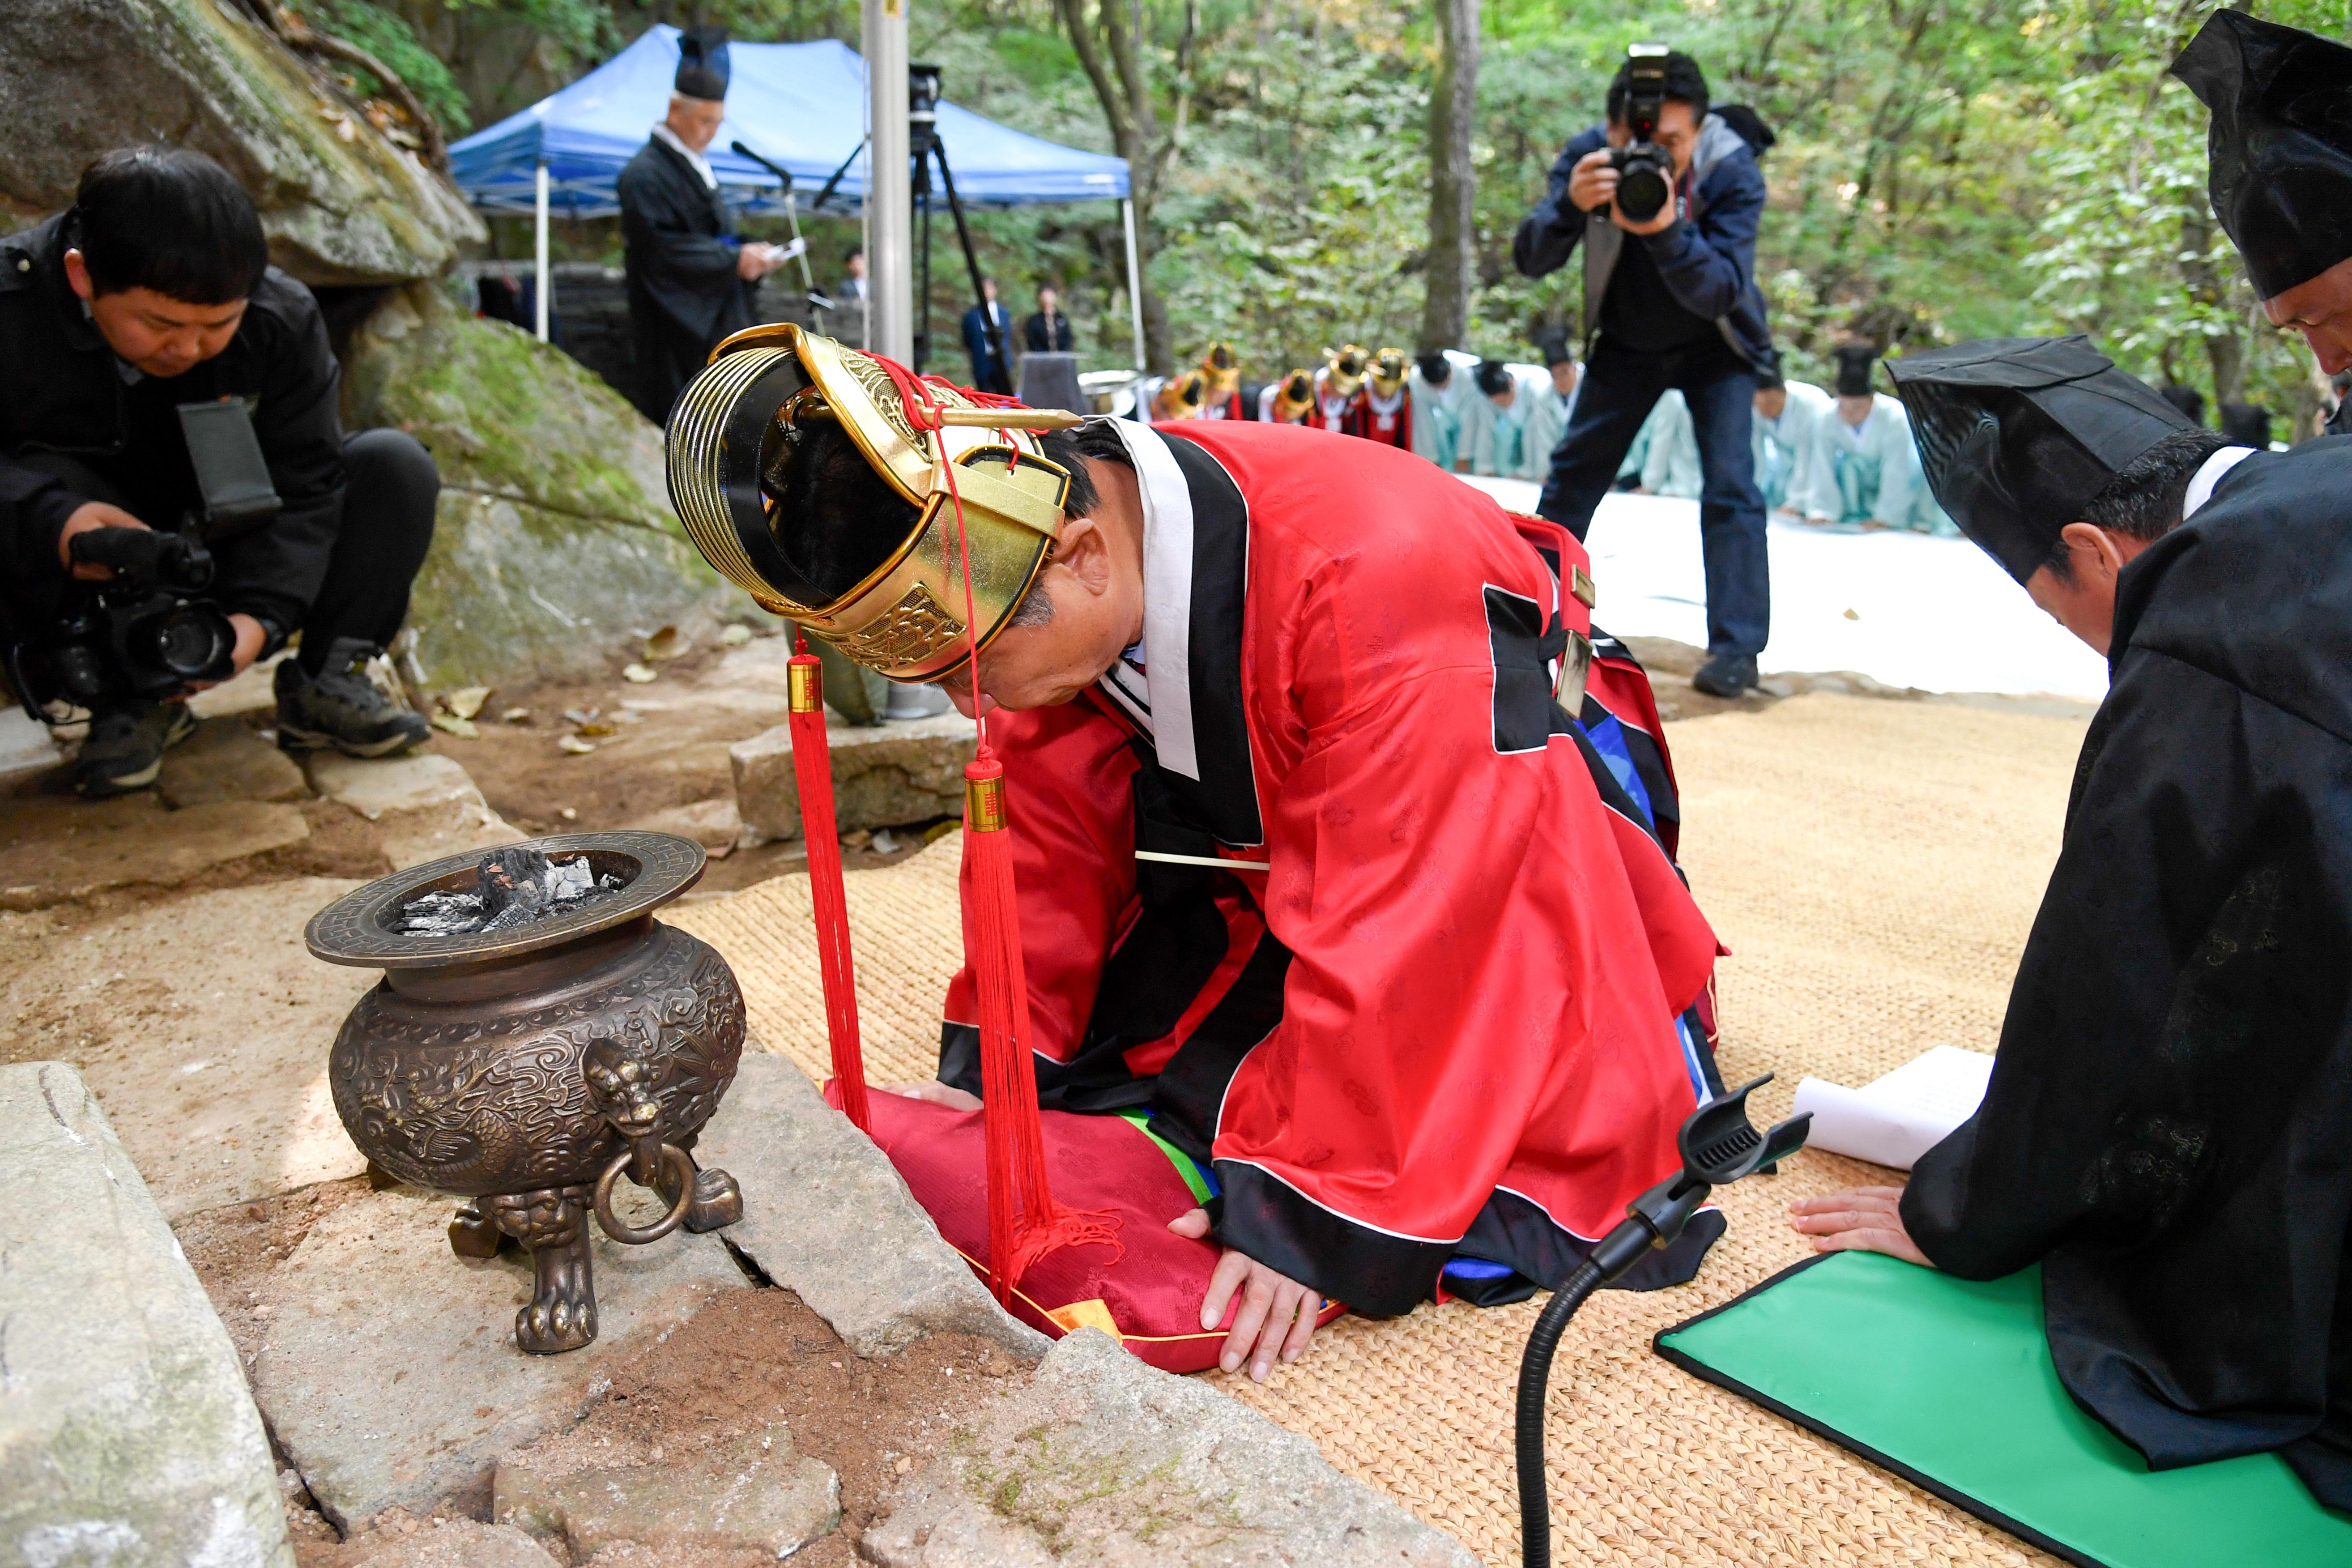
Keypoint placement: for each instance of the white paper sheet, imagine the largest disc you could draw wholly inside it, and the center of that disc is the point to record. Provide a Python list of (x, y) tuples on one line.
[(1893, 1119)]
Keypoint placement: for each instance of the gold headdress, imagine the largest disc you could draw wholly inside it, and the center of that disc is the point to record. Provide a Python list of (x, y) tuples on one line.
[(1221, 373), (1180, 396), (1345, 370), (730, 442), (1388, 371), (1294, 397)]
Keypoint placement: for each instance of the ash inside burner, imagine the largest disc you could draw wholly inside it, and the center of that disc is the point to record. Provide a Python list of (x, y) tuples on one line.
[(512, 886)]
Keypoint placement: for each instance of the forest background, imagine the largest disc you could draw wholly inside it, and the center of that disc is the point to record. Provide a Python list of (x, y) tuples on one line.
[(1946, 169)]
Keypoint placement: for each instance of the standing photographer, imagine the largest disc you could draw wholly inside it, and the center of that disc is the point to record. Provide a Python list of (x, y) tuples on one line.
[(1666, 199), (150, 294)]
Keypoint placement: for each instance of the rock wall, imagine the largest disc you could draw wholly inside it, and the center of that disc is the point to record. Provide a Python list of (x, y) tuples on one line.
[(343, 204), (555, 545)]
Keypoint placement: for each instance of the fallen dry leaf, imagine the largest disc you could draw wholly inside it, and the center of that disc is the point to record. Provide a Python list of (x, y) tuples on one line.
[(735, 635), (466, 701), (598, 730), (516, 715), (667, 643), (576, 745), (638, 673), (452, 724)]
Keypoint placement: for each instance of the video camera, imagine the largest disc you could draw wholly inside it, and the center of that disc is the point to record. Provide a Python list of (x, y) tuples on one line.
[(147, 631), (1645, 170)]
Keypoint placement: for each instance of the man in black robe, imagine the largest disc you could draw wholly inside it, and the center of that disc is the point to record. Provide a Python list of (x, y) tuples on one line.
[(690, 280), (2281, 176), (2168, 1126)]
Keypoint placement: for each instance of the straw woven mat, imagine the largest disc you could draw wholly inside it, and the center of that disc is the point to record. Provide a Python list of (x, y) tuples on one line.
[(1873, 867)]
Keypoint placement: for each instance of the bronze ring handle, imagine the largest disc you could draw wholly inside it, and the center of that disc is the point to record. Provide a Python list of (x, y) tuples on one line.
[(679, 1166)]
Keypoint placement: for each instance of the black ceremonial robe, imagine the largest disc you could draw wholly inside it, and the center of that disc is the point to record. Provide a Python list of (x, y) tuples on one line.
[(684, 292), (2169, 1127)]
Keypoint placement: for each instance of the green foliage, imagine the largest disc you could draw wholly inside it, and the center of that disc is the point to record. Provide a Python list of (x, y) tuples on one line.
[(388, 37)]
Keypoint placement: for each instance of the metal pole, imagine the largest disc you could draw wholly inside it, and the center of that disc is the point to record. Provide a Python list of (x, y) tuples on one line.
[(891, 257), (1134, 282), (539, 240)]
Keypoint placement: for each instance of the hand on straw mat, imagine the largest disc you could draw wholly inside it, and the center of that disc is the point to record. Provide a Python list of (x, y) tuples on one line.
[(1864, 1220), (1276, 1315)]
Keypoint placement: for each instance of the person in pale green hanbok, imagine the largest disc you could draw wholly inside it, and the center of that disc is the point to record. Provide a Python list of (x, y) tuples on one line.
[(1668, 450), (1548, 401), (1780, 438), (1435, 387), (1494, 447), (1864, 466)]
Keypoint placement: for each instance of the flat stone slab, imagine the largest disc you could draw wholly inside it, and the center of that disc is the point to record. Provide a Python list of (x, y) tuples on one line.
[(226, 759), (55, 850), (825, 1215), (714, 824), (389, 1373), (885, 775), (447, 1543), (25, 745), (204, 1027), (1104, 1460), (127, 1435), (428, 803), (757, 1492)]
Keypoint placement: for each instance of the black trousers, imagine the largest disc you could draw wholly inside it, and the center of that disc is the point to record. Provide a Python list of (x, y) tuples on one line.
[(389, 490), (1619, 391)]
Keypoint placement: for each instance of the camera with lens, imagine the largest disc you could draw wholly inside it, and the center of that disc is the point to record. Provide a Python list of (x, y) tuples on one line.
[(1645, 170), (148, 631)]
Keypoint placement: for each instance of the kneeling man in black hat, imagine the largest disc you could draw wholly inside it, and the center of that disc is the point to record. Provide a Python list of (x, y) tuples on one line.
[(2169, 1127)]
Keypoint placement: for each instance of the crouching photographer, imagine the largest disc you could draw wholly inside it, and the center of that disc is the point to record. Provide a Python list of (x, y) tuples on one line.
[(177, 497), (1666, 199)]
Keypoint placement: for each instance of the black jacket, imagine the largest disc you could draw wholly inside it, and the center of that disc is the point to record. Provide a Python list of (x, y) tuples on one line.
[(679, 246), (2169, 1127), (1708, 259), (67, 393), (1041, 336)]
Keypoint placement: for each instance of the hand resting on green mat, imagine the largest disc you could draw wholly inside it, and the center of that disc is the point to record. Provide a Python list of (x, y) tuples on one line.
[(1860, 1219)]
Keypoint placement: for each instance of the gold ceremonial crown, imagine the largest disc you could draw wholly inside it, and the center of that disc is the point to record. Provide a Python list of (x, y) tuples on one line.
[(1221, 371), (1180, 396), (1346, 371), (1294, 397), (730, 442), (1388, 371)]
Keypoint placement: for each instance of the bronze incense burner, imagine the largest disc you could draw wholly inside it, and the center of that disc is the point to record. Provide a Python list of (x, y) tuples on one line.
[(527, 1070)]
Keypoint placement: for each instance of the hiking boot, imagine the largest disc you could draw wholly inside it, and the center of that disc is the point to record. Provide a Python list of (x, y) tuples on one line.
[(125, 748), (1726, 675), (341, 708)]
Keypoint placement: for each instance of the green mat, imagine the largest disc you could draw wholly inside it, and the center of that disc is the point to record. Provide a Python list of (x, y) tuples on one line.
[(1948, 1383)]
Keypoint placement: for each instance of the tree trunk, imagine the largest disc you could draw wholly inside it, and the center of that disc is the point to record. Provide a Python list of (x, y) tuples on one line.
[(1110, 47), (1453, 186), (2226, 352)]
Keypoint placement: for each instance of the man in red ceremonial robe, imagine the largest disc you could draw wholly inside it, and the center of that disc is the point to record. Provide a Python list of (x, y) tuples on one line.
[(1314, 865), (1339, 389), (1385, 407)]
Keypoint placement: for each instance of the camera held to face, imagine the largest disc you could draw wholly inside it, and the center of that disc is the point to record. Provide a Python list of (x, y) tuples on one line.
[(1645, 170)]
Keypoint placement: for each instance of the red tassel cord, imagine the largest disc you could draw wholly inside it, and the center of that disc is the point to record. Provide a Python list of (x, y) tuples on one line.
[(1024, 1223), (812, 768)]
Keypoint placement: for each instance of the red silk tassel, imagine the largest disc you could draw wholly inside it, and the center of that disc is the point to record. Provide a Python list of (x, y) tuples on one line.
[(1024, 1223), (812, 768)]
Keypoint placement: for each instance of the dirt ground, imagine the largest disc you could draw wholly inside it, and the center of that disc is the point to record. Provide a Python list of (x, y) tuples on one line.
[(749, 1359)]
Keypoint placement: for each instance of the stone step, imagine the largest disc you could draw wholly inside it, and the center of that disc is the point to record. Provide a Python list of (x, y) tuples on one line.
[(883, 774), (427, 805), (127, 1435)]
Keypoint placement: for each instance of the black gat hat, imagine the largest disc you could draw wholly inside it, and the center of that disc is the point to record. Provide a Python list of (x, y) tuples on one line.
[(2280, 144), (703, 68), (2018, 435)]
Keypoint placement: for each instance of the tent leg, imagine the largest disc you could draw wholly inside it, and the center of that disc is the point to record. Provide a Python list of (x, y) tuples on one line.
[(539, 242), (1134, 290)]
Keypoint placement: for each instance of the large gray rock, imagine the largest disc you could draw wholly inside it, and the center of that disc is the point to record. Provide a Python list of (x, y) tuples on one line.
[(555, 547), (343, 204), (1103, 1460), (127, 1436), (825, 1215), (389, 1375), (755, 1492), (899, 771), (447, 1543)]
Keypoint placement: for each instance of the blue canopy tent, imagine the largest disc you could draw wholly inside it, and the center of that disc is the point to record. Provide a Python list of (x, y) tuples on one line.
[(800, 106)]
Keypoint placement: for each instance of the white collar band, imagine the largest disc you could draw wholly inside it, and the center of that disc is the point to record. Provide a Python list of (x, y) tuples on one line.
[(2201, 486)]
